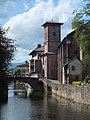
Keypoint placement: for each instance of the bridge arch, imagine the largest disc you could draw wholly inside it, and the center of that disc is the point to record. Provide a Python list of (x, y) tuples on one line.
[(33, 82)]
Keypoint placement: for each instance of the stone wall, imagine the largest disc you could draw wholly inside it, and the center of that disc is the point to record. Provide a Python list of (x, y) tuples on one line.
[(80, 94)]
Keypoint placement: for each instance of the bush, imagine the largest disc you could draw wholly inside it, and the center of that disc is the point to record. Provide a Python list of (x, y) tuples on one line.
[(76, 83)]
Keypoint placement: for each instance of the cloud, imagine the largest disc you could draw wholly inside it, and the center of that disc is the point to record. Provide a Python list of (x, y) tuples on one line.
[(6, 8), (26, 27), (21, 55)]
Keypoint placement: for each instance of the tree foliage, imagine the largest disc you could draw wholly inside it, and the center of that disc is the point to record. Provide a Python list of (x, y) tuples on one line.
[(19, 71), (81, 22), (6, 51)]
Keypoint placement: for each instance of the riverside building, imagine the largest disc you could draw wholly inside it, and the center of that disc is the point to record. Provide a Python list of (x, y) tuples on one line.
[(56, 59)]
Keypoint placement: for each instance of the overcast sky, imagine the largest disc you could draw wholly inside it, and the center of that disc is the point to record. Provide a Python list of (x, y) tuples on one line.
[(25, 17)]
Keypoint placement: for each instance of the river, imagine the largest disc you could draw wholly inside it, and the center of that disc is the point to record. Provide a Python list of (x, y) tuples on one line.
[(44, 108)]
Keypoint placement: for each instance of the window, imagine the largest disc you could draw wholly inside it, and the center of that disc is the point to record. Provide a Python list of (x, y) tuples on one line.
[(73, 68), (77, 77), (53, 33)]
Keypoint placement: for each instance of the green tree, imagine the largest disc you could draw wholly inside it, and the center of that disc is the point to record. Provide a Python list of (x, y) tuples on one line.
[(6, 52), (81, 22), (19, 71)]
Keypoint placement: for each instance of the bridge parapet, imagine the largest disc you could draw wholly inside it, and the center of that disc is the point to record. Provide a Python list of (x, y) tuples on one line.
[(33, 82)]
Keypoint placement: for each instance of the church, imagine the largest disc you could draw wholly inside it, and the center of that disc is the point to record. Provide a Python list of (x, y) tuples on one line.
[(56, 59)]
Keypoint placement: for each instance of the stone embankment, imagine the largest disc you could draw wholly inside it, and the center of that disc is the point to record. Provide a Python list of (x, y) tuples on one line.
[(75, 93)]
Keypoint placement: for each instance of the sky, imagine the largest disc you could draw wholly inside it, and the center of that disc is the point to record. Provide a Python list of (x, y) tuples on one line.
[(25, 17)]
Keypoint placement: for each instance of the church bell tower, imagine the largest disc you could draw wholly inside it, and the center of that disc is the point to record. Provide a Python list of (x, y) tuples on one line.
[(52, 38)]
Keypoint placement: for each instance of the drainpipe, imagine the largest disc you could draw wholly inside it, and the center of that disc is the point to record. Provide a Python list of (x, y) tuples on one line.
[(63, 82), (68, 57), (68, 44)]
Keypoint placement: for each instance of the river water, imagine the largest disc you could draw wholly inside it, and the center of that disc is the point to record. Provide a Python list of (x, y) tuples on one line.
[(44, 108)]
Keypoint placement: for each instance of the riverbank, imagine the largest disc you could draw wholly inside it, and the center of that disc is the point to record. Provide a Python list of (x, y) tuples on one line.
[(74, 93), (46, 108)]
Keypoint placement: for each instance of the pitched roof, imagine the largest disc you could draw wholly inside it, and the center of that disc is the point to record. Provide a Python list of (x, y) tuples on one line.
[(48, 53), (71, 61), (38, 49), (65, 38)]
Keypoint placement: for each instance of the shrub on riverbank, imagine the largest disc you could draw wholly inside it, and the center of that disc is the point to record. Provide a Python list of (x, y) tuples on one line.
[(76, 83)]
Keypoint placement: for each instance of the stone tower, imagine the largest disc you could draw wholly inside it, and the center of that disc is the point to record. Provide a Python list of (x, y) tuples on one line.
[(52, 38)]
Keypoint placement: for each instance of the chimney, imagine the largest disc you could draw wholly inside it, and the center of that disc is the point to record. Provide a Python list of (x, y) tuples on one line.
[(39, 45)]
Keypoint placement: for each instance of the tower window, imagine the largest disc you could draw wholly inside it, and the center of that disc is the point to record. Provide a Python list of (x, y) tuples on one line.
[(53, 33)]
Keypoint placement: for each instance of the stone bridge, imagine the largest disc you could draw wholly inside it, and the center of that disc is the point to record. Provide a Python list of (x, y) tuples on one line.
[(35, 83)]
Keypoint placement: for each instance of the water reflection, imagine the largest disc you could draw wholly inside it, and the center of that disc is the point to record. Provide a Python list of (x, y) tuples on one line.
[(36, 95), (43, 108)]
